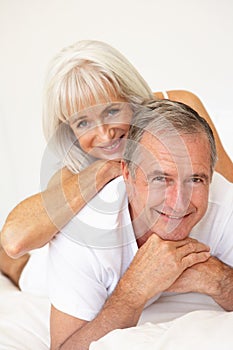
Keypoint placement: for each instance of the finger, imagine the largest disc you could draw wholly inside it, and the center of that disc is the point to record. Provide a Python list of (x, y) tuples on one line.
[(192, 247), (184, 242), (194, 258)]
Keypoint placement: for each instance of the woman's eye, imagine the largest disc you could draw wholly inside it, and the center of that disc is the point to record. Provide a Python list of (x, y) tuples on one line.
[(113, 112), (82, 124)]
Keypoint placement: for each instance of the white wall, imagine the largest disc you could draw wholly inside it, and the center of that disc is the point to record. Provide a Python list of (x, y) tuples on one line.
[(180, 44)]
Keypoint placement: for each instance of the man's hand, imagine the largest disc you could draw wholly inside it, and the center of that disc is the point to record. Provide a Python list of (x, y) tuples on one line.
[(157, 265), (211, 277)]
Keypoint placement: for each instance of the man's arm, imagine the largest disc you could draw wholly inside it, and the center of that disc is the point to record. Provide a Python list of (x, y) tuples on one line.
[(68, 332), (211, 277), (34, 221), (154, 268)]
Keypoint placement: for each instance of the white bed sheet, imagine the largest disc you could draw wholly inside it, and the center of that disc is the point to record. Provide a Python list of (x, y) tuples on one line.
[(173, 322), (204, 330), (24, 319)]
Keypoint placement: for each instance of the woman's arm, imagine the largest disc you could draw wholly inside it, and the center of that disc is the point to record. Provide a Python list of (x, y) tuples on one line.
[(224, 164), (34, 221)]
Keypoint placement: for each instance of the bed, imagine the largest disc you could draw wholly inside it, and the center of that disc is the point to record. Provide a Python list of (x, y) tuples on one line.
[(203, 329), (24, 319), (175, 321)]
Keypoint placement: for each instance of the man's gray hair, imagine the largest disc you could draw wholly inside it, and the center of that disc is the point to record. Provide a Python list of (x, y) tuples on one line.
[(165, 118)]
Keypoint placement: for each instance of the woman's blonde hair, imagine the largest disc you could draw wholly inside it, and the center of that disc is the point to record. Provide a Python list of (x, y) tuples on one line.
[(86, 71)]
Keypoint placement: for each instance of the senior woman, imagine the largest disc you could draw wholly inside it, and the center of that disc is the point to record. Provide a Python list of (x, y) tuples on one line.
[(89, 85)]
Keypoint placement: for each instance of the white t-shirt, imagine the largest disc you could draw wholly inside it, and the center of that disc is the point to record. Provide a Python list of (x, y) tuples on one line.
[(93, 251)]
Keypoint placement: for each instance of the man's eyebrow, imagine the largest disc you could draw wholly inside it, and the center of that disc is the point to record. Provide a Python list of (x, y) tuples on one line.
[(201, 175), (76, 117), (157, 172)]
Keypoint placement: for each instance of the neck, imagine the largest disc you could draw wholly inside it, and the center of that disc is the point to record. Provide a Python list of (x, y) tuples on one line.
[(141, 231)]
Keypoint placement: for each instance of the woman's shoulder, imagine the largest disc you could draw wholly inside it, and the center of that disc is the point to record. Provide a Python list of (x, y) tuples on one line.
[(187, 97), (224, 164)]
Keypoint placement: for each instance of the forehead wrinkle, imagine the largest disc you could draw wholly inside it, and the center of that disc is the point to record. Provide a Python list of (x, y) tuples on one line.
[(163, 148), (158, 155), (179, 157)]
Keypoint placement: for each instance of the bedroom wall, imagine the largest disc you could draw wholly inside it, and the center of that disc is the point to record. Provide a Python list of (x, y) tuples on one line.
[(174, 44)]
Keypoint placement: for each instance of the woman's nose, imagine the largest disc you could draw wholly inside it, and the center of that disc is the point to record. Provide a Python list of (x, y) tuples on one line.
[(105, 132)]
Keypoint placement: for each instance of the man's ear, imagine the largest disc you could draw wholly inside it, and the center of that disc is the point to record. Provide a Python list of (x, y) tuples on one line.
[(125, 170), (127, 179)]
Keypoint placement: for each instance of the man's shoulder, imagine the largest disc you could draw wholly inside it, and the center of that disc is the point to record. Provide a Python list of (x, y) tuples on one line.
[(105, 221), (221, 191), (220, 207), (104, 210)]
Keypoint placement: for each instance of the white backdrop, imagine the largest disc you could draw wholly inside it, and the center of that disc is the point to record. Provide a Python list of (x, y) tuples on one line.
[(175, 44)]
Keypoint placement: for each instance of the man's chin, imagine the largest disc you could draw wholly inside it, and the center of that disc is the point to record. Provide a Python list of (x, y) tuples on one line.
[(175, 235)]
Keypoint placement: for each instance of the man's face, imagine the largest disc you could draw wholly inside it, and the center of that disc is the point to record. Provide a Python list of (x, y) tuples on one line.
[(169, 192)]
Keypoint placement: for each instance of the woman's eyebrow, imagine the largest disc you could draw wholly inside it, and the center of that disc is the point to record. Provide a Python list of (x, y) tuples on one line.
[(77, 117), (114, 104)]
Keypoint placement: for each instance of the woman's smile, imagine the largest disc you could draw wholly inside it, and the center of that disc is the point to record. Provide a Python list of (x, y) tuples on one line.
[(102, 129), (112, 145)]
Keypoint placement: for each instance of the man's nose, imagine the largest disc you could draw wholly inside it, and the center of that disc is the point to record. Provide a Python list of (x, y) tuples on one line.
[(178, 197)]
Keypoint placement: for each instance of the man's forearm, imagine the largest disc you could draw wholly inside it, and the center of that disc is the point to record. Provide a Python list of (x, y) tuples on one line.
[(224, 291), (117, 313), (212, 277), (156, 265), (217, 281)]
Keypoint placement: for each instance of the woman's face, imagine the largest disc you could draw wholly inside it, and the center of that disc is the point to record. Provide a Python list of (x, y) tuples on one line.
[(102, 129)]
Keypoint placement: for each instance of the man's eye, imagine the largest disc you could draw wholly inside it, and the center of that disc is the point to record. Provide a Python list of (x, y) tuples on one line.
[(159, 179), (196, 180)]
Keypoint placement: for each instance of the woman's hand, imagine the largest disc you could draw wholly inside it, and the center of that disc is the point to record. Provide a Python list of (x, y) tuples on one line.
[(37, 219)]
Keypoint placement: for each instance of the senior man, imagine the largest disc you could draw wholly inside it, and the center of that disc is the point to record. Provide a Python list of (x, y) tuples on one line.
[(127, 252)]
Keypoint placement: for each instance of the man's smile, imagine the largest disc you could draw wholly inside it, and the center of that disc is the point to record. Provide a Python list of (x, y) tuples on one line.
[(173, 217)]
